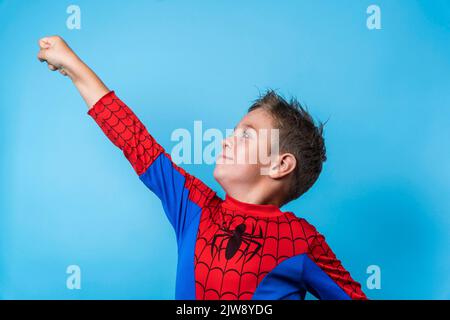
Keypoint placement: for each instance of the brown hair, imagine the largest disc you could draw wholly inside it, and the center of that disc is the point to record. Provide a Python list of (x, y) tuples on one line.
[(298, 135)]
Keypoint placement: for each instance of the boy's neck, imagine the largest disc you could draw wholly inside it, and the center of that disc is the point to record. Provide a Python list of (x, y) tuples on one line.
[(255, 197)]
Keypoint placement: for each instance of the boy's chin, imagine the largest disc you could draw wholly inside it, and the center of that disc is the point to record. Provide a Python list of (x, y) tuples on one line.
[(222, 174), (218, 173)]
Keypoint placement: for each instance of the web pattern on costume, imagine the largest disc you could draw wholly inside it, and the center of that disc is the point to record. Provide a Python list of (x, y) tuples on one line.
[(126, 131), (325, 258), (284, 237)]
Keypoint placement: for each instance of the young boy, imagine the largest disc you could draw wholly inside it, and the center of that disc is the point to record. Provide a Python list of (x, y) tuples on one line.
[(243, 247)]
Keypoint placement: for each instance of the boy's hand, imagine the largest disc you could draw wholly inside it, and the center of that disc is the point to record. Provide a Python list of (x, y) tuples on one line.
[(58, 55)]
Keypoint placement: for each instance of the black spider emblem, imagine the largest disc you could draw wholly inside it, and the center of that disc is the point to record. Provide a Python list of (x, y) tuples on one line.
[(235, 238)]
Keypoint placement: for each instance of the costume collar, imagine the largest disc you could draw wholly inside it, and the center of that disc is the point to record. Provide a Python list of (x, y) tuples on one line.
[(266, 210)]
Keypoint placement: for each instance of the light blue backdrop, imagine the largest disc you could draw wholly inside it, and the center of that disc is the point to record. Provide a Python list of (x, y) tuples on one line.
[(67, 196)]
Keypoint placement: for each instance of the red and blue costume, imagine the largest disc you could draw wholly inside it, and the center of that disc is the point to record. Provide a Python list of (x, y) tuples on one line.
[(227, 249)]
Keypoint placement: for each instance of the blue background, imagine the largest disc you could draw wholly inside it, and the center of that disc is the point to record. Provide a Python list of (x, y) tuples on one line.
[(68, 196)]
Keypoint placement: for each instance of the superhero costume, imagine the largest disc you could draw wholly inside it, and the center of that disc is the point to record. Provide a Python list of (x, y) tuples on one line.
[(227, 249)]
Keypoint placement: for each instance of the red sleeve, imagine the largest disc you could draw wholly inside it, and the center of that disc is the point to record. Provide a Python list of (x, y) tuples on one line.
[(177, 189), (126, 131), (322, 255)]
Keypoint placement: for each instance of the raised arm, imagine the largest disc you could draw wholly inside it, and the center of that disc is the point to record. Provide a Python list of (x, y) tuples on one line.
[(59, 56), (182, 195)]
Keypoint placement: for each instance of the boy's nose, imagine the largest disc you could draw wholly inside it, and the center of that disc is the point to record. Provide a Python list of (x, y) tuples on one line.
[(227, 142)]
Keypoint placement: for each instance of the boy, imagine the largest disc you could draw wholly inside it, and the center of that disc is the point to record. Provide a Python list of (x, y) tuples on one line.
[(243, 247)]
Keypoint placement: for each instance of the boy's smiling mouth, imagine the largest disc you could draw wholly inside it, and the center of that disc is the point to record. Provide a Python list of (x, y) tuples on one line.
[(225, 157)]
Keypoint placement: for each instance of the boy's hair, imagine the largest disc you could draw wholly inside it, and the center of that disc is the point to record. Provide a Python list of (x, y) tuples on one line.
[(298, 135)]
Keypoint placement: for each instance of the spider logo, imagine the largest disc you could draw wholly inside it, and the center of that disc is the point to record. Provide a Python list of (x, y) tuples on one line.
[(235, 238)]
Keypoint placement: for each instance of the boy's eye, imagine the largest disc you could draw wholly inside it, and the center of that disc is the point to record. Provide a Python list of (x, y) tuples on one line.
[(241, 133), (245, 134)]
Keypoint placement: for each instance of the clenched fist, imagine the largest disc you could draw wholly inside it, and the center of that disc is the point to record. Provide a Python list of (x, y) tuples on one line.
[(58, 55)]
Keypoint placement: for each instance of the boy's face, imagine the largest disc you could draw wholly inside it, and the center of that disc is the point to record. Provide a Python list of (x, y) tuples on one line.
[(246, 153)]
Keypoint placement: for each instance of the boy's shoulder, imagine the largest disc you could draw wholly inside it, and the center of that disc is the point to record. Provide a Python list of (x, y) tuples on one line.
[(302, 228), (303, 223)]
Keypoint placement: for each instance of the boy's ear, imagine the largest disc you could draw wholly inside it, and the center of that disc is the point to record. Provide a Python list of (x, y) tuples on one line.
[(284, 165)]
